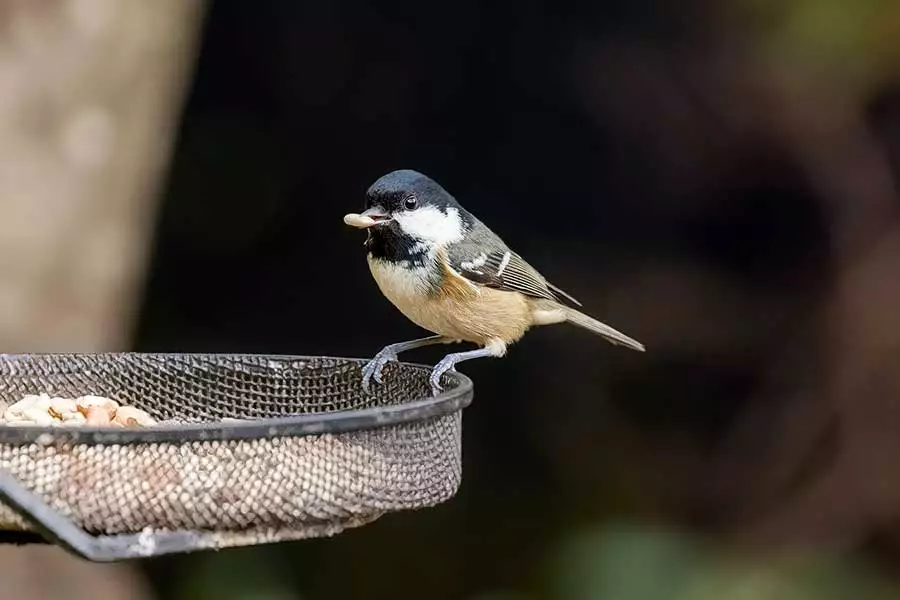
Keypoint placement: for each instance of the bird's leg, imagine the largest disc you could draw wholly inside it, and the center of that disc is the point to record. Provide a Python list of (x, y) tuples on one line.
[(373, 368), (494, 348)]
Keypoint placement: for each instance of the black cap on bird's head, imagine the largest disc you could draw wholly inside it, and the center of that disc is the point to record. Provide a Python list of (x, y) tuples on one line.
[(406, 190), (408, 204)]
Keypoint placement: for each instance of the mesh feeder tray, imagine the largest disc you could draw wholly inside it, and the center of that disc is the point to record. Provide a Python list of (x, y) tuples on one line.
[(312, 455)]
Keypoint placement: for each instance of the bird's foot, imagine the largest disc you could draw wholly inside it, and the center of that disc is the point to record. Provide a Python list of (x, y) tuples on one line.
[(373, 368), (448, 363)]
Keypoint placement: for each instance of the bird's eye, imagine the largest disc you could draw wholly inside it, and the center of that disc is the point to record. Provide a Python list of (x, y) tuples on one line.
[(410, 202)]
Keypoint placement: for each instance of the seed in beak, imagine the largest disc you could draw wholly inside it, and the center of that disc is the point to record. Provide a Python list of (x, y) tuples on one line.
[(364, 221)]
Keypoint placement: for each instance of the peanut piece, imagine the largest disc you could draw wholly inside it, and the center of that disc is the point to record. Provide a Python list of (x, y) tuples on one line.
[(129, 416)]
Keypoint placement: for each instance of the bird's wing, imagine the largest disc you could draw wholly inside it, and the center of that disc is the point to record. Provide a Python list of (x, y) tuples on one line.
[(501, 268)]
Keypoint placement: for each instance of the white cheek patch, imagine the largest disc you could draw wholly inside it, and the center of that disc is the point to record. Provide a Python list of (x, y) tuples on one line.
[(432, 225)]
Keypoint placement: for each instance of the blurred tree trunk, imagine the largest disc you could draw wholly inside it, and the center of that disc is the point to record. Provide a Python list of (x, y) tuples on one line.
[(90, 92)]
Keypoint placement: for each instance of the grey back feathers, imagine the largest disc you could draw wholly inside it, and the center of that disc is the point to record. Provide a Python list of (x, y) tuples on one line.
[(483, 257), (486, 260)]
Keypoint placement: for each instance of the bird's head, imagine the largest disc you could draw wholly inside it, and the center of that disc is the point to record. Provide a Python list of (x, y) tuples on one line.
[(407, 204)]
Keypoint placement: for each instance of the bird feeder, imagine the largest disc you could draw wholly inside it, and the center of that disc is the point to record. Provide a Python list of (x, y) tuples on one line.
[(243, 450)]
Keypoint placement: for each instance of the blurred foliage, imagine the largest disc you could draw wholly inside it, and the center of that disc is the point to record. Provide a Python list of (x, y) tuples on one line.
[(237, 575), (616, 562), (636, 563), (854, 43)]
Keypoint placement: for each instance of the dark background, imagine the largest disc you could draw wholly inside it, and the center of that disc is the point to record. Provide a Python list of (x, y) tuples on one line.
[(715, 179)]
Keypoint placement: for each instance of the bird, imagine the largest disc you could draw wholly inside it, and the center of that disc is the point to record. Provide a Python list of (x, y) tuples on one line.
[(448, 273)]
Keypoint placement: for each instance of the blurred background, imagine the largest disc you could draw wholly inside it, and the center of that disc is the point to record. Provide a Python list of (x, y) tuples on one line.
[(715, 178)]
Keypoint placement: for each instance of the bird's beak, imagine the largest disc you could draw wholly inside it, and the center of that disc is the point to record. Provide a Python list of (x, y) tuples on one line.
[(368, 218)]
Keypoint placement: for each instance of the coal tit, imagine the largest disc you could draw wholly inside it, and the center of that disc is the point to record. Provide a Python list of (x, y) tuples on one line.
[(448, 273)]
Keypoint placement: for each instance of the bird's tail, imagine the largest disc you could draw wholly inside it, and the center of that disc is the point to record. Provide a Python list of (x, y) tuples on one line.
[(616, 337)]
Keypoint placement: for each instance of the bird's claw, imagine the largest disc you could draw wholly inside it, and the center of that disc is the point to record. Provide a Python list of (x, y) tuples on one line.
[(439, 369), (372, 369)]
